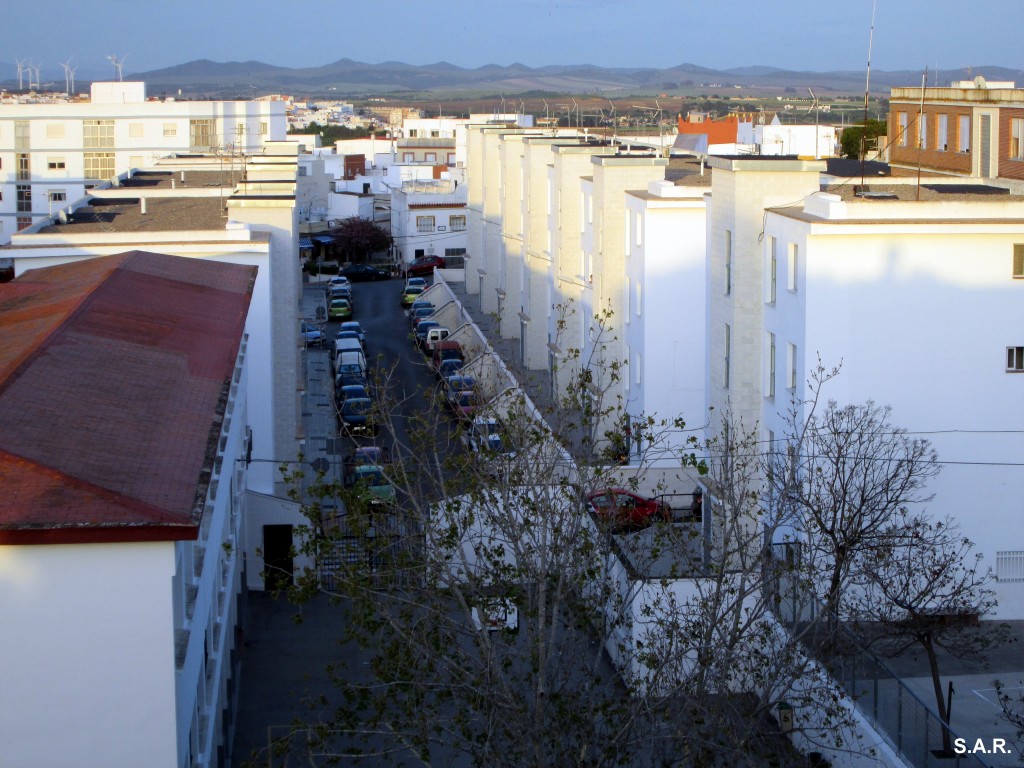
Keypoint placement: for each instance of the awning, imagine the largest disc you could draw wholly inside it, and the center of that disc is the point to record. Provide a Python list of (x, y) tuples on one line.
[(305, 242), (325, 239)]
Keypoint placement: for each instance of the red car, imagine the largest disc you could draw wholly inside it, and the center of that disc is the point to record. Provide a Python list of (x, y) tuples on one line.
[(424, 266), (627, 509)]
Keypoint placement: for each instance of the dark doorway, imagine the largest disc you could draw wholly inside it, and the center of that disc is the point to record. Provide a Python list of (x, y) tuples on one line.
[(277, 557)]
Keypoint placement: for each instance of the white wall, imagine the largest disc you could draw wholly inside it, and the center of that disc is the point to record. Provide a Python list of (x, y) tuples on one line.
[(87, 656), (919, 314)]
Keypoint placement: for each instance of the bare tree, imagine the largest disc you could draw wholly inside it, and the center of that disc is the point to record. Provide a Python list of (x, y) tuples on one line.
[(847, 478), (924, 587)]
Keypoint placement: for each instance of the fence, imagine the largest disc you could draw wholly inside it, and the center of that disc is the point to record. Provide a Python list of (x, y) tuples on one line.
[(895, 711), (386, 555)]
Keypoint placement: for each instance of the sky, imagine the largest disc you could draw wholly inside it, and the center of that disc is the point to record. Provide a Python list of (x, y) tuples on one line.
[(790, 34)]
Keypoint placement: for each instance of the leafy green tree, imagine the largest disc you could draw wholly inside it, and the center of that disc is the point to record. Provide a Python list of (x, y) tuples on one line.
[(856, 138)]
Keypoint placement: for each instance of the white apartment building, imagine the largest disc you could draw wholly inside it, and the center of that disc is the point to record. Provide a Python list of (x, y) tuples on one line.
[(198, 213), (920, 301), (121, 550), (50, 154), (428, 218)]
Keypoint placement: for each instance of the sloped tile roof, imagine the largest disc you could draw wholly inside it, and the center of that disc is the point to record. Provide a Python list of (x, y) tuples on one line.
[(114, 372)]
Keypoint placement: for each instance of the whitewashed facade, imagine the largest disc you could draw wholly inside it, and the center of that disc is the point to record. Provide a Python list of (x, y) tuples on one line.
[(50, 154)]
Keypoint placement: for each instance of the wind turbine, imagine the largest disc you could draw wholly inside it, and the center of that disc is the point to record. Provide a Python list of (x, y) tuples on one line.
[(21, 72), (69, 78), (118, 65)]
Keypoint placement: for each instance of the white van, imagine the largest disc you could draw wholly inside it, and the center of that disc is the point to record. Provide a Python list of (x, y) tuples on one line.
[(434, 335)]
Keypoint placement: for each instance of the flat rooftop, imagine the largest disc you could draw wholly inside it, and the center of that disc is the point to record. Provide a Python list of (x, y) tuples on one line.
[(184, 179), (163, 214), (931, 190), (688, 171)]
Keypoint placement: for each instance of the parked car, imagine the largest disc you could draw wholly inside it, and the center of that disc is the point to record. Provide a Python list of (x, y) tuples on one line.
[(350, 375), (411, 294), (368, 454), (373, 478), (457, 383), (356, 416), (422, 328), (364, 272), (339, 309), (347, 336), (465, 404), (353, 325), (450, 367), (424, 266), (350, 392), (421, 313), (421, 304), (337, 280), (485, 436), (312, 335), (435, 336), (445, 350), (414, 281), (625, 509)]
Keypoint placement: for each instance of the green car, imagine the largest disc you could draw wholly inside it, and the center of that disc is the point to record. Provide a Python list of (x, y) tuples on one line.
[(340, 309), (371, 477), (410, 294)]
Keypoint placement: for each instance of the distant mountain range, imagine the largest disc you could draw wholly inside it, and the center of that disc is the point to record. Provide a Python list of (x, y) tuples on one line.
[(353, 78)]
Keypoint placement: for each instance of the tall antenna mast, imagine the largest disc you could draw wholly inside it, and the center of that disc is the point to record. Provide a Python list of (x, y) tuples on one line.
[(920, 142), (867, 90)]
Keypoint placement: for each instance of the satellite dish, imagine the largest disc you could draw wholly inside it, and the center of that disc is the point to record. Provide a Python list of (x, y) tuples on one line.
[(115, 181), (62, 216)]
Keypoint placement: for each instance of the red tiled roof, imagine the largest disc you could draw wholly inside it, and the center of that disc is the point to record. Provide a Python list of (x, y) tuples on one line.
[(113, 374)]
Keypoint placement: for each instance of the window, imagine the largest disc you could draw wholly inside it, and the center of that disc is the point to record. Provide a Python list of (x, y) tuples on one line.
[(1017, 138), (136, 161), (638, 223), (451, 158), (1015, 359), (412, 133), (449, 252), (639, 298), (135, 130), (770, 388), (431, 157), (1009, 566), (57, 196), (24, 167), (942, 142), (56, 163), (728, 262), (170, 129), (264, 128), (793, 259), (21, 134), (97, 134), (963, 138), (457, 223), (24, 199), (773, 269), (202, 135), (922, 131), (1018, 259), (901, 132), (24, 222), (55, 130), (791, 366), (407, 157), (98, 165), (435, 134), (728, 351), (424, 223), (638, 369)]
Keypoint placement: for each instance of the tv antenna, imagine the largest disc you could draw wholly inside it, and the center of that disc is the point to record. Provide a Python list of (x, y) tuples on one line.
[(814, 106), (118, 65), (867, 91), (69, 78)]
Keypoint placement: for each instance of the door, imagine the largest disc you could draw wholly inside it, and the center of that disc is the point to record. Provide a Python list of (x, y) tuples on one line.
[(277, 557)]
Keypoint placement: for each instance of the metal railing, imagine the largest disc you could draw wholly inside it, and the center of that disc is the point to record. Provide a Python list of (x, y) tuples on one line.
[(896, 712)]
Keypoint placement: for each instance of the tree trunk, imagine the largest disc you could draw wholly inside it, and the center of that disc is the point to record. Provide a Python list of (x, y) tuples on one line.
[(933, 665)]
